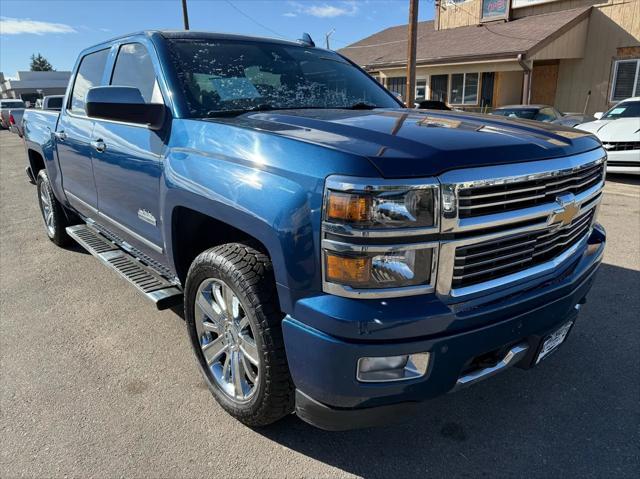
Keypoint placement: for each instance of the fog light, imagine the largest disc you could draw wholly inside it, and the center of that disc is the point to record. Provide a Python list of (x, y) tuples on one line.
[(392, 368)]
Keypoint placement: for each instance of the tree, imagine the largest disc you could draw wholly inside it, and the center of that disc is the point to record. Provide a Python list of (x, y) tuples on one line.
[(40, 64)]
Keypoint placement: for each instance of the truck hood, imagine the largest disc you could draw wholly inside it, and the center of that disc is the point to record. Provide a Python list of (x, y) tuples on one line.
[(622, 129), (413, 143)]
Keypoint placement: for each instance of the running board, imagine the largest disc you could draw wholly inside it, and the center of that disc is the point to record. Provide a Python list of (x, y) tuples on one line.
[(154, 287)]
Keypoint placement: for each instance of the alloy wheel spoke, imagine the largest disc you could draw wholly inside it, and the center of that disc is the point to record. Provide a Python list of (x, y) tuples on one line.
[(248, 369), (50, 218), (226, 370), (249, 349), (237, 374), (243, 323), (213, 350), (229, 296), (206, 306), (218, 296)]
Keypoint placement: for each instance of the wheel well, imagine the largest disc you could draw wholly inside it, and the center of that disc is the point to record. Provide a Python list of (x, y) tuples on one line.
[(36, 162), (193, 232)]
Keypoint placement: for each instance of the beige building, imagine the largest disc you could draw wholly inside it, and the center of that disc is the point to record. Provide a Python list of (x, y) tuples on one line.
[(578, 55)]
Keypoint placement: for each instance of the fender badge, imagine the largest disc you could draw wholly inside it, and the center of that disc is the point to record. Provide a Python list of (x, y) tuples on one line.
[(146, 216)]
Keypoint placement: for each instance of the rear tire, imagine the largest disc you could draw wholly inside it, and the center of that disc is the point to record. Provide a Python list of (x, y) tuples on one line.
[(233, 317), (53, 214)]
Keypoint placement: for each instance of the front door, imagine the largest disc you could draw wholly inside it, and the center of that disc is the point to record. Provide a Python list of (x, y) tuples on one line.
[(74, 135), (128, 162)]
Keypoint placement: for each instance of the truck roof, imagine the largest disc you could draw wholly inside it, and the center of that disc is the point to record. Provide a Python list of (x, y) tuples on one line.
[(191, 34)]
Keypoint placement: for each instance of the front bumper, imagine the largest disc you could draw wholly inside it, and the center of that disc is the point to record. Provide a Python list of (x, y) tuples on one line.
[(627, 162), (323, 366)]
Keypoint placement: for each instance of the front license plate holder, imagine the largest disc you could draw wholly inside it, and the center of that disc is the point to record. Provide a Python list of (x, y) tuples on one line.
[(552, 342)]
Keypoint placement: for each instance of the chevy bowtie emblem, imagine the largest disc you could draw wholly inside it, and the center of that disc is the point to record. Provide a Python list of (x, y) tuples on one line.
[(567, 211)]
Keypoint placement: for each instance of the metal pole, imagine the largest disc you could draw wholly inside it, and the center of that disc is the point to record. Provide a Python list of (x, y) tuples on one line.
[(411, 53), (326, 38), (185, 14)]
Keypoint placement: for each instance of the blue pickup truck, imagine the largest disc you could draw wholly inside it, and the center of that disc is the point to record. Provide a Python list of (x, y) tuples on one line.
[(338, 255)]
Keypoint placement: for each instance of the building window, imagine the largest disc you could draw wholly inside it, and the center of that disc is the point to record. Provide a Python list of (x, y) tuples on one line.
[(421, 89), (397, 85), (464, 88), (439, 87), (626, 79)]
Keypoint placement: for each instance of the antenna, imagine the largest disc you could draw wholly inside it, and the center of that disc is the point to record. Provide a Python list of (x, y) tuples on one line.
[(306, 40)]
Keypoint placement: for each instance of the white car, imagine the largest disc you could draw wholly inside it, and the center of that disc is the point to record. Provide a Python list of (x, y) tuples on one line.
[(619, 131)]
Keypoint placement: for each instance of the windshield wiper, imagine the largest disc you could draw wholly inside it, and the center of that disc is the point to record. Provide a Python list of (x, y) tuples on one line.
[(238, 111), (361, 105)]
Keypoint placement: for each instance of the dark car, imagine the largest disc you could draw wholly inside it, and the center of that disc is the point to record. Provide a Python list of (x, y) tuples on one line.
[(545, 113), (432, 105)]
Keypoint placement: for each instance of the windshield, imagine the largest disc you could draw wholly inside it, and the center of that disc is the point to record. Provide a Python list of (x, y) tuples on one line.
[(528, 114), (12, 104), (227, 75), (628, 109)]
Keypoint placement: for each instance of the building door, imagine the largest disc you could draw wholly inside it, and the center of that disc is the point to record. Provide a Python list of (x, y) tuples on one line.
[(486, 93), (439, 87), (544, 82)]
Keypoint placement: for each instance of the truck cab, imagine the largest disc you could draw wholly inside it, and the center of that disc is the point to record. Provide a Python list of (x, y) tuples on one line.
[(337, 254)]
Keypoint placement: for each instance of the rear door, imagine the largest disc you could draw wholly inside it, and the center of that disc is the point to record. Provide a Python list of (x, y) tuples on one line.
[(74, 135), (128, 170)]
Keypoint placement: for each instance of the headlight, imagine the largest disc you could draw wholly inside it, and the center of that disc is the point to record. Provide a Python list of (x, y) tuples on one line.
[(380, 270), (388, 205), (368, 230)]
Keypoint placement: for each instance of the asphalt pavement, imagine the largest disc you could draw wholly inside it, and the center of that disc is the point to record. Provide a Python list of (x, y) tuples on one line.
[(94, 382)]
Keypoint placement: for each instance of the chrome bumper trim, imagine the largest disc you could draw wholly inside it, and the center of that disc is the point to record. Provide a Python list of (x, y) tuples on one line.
[(515, 354)]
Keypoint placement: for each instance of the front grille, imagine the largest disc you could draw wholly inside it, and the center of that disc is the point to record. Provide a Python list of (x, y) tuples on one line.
[(621, 145), (510, 254), (623, 163), (485, 200)]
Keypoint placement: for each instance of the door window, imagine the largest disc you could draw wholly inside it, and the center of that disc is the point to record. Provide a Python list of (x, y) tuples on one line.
[(135, 69), (89, 75), (545, 114)]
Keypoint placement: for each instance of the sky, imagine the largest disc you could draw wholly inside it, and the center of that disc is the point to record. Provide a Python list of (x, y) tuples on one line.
[(59, 30)]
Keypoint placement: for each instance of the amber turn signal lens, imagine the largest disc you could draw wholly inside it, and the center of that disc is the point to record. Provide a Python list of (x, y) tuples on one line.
[(347, 207), (343, 269)]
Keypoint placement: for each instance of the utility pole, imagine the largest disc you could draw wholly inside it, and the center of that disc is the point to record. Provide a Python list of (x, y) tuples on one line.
[(185, 14), (411, 53), (326, 38)]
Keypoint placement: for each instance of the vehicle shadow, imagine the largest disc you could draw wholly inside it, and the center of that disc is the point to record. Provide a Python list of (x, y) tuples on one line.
[(573, 415)]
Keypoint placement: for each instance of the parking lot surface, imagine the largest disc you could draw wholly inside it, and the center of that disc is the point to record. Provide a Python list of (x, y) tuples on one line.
[(96, 382)]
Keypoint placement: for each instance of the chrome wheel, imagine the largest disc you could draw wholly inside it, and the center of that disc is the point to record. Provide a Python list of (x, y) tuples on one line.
[(47, 211), (227, 340)]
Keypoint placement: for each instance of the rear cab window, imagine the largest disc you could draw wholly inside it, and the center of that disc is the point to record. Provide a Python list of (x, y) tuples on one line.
[(89, 75), (12, 104)]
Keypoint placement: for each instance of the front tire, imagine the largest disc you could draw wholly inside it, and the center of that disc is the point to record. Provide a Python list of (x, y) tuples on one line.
[(55, 220), (234, 324)]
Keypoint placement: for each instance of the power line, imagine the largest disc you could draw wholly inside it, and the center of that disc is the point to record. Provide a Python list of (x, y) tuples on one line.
[(254, 20)]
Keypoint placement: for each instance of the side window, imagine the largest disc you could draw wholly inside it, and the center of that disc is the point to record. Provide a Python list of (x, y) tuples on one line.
[(134, 68), (545, 114), (89, 75)]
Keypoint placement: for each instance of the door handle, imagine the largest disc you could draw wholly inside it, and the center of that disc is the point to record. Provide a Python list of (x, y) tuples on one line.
[(99, 145), (60, 135)]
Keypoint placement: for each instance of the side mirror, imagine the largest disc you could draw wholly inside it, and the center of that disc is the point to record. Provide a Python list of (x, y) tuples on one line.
[(598, 115), (123, 103)]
